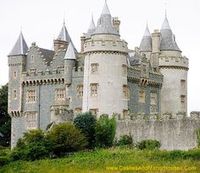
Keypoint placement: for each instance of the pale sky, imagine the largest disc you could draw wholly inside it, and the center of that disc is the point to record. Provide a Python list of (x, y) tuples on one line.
[(41, 21)]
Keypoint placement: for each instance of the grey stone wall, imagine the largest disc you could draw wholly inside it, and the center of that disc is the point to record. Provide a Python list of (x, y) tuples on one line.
[(173, 134)]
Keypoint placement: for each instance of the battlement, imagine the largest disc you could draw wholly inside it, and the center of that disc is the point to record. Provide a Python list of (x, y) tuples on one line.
[(173, 62), (105, 45), (158, 117)]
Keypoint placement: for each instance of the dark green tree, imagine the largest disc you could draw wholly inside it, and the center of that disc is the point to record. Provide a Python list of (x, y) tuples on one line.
[(5, 120), (86, 123)]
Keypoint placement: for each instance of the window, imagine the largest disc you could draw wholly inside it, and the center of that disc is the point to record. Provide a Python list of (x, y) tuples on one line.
[(144, 68), (94, 111), (80, 91), (60, 94), (142, 96), (93, 89), (14, 94), (183, 101), (125, 113), (31, 120), (30, 96), (153, 98), (14, 75), (94, 67), (32, 70), (77, 110), (153, 102), (183, 84), (126, 93), (124, 70), (32, 59)]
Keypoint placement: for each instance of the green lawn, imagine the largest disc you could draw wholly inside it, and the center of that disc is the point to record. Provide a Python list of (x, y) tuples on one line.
[(112, 160)]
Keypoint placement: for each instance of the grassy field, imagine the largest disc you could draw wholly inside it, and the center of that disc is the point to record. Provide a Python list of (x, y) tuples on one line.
[(112, 160)]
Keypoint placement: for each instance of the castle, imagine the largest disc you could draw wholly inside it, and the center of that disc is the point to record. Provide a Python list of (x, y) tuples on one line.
[(105, 77)]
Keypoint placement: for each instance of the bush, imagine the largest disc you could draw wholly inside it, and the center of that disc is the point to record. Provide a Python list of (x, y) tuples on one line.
[(65, 138), (105, 131), (125, 140), (32, 146), (149, 144), (86, 123)]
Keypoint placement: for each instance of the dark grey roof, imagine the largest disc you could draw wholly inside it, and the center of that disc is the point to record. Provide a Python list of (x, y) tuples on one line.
[(64, 36), (146, 43), (46, 54), (104, 24), (70, 53), (20, 47), (134, 59), (168, 42), (91, 28)]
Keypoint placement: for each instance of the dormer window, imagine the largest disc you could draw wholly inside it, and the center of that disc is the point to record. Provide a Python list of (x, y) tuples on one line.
[(32, 59)]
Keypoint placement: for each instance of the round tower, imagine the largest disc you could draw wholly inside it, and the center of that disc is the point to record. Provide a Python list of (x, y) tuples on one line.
[(105, 69), (174, 68)]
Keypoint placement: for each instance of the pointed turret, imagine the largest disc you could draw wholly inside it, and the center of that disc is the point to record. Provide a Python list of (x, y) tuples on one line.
[(105, 25), (64, 35), (70, 53), (63, 40), (20, 47), (146, 43), (91, 28), (168, 42), (105, 9)]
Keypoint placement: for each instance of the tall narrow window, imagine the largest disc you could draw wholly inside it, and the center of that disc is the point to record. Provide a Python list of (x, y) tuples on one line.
[(142, 96), (153, 102), (14, 75), (94, 67), (93, 89), (124, 70), (60, 94), (30, 96), (32, 59), (183, 101), (31, 120), (183, 84), (126, 92), (125, 113), (14, 94), (80, 91)]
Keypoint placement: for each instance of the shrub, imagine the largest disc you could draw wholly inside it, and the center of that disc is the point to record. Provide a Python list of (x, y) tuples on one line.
[(65, 138), (105, 131), (86, 123), (198, 137), (149, 144), (32, 146), (125, 140)]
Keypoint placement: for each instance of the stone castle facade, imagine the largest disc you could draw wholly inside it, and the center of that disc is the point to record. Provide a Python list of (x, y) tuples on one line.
[(105, 77)]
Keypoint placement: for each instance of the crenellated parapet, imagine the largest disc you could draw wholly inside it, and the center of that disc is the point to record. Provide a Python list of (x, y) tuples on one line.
[(107, 45), (173, 62)]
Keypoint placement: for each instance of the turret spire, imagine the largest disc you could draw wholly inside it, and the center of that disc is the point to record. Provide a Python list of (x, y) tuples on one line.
[(70, 53), (20, 47), (92, 25), (165, 24), (105, 9), (64, 35), (146, 43)]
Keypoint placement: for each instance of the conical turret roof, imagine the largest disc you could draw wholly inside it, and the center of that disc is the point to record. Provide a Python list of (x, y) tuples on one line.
[(104, 24), (146, 43), (70, 53), (168, 42), (92, 27), (64, 36), (20, 47)]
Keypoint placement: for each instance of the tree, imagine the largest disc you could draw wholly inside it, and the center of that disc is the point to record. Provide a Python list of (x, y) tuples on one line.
[(86, 123), (65, 138), (5, 120), (105, 131)]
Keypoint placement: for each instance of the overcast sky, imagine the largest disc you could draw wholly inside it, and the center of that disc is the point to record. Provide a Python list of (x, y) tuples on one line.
[(41, 21)]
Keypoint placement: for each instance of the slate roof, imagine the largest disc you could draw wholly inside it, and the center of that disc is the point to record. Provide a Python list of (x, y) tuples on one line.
[(146, 43), (70, 53), (168, 42), (104, 24), (20, 47), (91, 28), (47, 55)]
